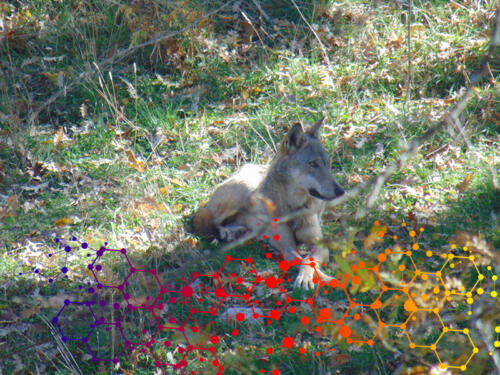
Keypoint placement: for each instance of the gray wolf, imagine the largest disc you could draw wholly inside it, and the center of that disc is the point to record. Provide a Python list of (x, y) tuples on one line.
[(298, 178)]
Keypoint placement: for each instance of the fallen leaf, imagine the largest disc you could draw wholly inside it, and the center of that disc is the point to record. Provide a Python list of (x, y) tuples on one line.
[(462, 186), (165, 190), (64, 221)]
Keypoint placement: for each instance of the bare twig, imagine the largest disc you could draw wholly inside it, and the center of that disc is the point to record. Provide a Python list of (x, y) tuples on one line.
[(120, 55)]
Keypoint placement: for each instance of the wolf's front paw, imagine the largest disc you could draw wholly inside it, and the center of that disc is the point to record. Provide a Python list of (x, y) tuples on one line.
[(305, 277)]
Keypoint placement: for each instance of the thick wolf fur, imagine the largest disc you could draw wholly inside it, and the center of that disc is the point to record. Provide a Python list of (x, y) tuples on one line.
[(298, 178)]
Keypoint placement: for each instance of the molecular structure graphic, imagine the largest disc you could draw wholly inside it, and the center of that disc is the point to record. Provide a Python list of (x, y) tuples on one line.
[(173, 324)]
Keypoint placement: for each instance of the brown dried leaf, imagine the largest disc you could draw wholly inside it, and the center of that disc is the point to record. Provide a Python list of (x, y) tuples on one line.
[(64, 221), (462, 186)]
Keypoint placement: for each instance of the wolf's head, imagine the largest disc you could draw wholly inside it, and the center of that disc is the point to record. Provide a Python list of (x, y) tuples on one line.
[(305, 163)]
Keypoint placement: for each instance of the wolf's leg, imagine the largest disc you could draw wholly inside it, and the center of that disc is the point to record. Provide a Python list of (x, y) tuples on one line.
[(231, 232), (308, 233)]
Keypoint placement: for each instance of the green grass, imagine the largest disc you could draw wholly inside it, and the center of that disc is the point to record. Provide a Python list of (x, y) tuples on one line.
[(138, 158)]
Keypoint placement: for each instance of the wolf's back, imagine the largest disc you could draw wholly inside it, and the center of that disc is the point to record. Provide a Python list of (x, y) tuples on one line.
[(228, 200)]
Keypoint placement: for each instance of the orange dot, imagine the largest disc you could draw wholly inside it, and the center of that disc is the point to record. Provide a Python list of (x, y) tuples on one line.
[(354, 268), (412, 233), (380, 234), (381, 324), (381, 257), (325, 313), (415, 246), (361, 265), (387, 251), (394, 237), (288, 342), (403, 224), (370, 342), (356, 279), (376, 222), (345, 331), (357, 316), (304, 320), (410, 305), (401, 267), (376, 304)]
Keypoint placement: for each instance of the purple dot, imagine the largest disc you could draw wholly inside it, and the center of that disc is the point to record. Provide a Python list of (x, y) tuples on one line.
[(74, 239), (115, 360), (51, 280), (94, 359), (64, 338), (20, 273), (98, 267), (132, 269), (91, 290), (85, 340), (102, 302), (88, 283), (107, 328), (99, 286), (101, 320), (66, 276), (100, 252), (67, 249), (37, 271), (67, 302), (88, 254), (126, 296), (58, 240), (54, 319), (118, 324), (148, 298), (116, 305), (88, 303), (90, 266), (80, 287), (64, 269), (123, 251), (85, 245), (50, 255)]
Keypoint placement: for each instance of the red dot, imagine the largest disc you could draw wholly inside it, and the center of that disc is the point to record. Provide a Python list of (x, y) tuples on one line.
[(276, 372), (345, 331), (304, 320), (240, 317), (269, 350), (292, 310), (288, 342), (268, 255), (235, 332), (187, 291), (325, 313), (302, 350), (271, 282), (275, 219), (334, 283), (239, 280), (276, 237), (214, 340), (275, 314), (284, 265), (264, 237), (221, 293)]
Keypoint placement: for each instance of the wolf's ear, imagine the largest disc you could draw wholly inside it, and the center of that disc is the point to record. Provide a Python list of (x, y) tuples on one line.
[(314, 129), (294, 138)]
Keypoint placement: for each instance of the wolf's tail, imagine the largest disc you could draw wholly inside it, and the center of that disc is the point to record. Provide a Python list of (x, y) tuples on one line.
[(204, 224)]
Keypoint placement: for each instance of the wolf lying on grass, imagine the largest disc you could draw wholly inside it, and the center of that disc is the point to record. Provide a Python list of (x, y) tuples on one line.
[(299, 178)]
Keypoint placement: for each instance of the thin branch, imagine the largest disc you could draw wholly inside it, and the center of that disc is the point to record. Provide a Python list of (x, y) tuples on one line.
[(120, 55)]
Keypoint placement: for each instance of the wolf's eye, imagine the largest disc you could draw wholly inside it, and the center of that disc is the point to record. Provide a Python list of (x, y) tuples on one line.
[(314, 164)]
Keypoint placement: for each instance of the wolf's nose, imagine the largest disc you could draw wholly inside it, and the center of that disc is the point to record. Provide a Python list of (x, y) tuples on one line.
[(339, 190)]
